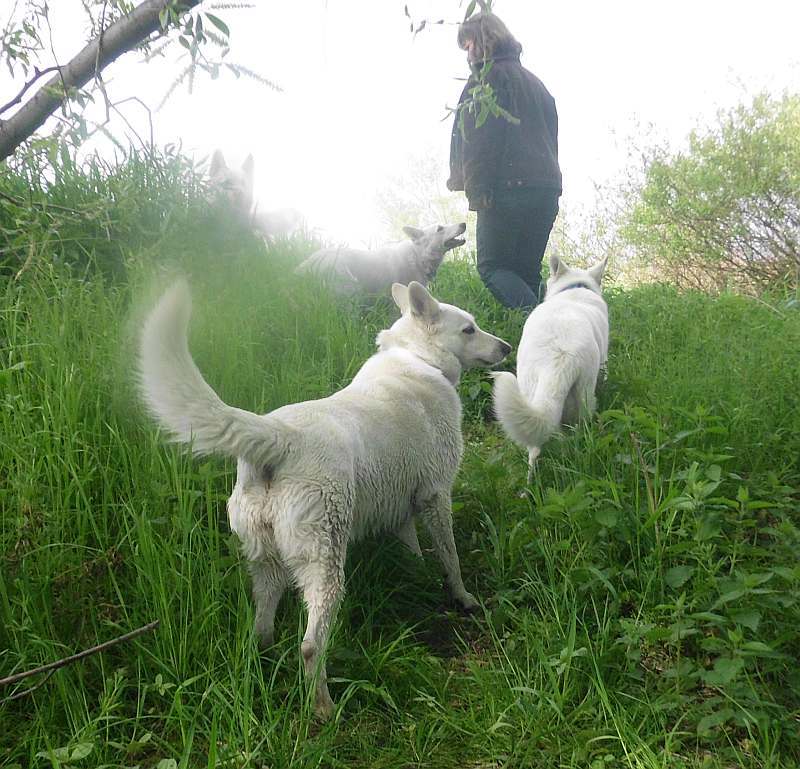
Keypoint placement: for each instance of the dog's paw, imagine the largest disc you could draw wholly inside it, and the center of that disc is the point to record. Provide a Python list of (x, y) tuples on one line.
[(266, 640), (323, 707), (467, 603)]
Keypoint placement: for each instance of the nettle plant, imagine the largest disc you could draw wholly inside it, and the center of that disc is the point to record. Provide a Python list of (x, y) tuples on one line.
[(694, 559)]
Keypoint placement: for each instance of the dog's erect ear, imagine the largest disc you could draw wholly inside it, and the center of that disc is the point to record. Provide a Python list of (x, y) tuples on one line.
[(400, 296), (217, 164), (557, 267), (414, 233), (598, 270), (422, 304)]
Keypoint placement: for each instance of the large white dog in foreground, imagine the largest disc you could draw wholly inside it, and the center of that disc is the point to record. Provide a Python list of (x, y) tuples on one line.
[(563, 346), (313, 476), (352, 270)]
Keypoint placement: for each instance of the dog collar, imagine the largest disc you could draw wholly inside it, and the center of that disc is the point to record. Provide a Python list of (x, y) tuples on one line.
[(578, 284)]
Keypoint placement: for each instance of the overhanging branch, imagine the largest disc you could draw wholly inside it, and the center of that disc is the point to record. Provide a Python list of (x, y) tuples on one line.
[(120, 37)]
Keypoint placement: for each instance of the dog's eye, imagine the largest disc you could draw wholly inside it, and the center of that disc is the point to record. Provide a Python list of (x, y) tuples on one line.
[(439, 228), (468, 330)]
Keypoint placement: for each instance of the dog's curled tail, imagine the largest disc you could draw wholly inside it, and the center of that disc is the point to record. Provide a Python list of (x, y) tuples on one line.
[(529, 424), (183, 403)]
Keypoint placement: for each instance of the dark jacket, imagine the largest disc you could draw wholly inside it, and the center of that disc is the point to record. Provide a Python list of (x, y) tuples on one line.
[(501, 155)]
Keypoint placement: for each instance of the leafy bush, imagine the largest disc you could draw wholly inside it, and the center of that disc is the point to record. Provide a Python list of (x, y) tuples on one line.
[(724, 213)]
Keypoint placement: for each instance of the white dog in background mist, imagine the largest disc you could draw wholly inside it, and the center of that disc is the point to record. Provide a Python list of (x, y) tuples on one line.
[(313, 476), (351, 270), (235, 187), (563, 347)]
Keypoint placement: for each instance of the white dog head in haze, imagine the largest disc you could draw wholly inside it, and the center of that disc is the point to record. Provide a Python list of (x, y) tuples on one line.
[(233, 185)]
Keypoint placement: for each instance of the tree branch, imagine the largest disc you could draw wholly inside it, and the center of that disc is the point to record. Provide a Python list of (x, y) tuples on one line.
[(120, 37), (75, 657), (18, 98)]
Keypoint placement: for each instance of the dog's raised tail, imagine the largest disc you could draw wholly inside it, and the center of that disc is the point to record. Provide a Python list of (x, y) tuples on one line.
[(183, 403), (529, 424)]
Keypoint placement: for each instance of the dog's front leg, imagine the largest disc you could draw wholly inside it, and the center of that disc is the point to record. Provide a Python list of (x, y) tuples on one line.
[(436, 513)]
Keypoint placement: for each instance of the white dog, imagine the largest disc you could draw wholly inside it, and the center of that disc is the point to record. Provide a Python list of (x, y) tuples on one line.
[(280, 223), (564, 344), (235, 187), (313, 476), (350, 270)]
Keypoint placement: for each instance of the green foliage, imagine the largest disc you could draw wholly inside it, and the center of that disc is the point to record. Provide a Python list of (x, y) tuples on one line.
[(94, 216), (201, 38), (725, 212), (20, 39), (640, 597)]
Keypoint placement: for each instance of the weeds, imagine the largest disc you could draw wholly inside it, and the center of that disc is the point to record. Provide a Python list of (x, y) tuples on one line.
[(640, 598)]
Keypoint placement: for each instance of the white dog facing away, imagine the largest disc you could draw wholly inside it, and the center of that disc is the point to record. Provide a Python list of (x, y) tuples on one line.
[(563, 347), (235, 187), (351, 270), (313, 476)]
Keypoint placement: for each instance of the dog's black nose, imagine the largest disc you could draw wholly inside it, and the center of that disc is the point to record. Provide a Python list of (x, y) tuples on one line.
[(505, 347)]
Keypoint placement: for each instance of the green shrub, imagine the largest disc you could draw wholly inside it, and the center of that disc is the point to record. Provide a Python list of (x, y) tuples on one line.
[(725, 212)]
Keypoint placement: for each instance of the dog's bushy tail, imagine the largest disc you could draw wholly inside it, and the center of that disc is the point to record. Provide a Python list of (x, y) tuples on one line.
[(183, 403), (528, 423)]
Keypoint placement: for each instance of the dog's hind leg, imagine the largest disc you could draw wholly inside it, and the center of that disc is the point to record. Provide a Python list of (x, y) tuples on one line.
[(587, 400), (436, 513), (533, 455), (270, 578), (407, 534), (322, 583), (572, 406), (314, 546)]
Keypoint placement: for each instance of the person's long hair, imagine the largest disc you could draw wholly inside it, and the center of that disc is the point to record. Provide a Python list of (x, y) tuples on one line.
[(490, 35)]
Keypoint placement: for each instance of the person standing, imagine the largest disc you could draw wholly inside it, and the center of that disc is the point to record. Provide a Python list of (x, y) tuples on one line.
[(508, 168)]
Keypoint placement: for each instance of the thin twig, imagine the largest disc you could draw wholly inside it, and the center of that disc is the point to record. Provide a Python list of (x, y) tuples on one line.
[(18, 98), (29, 690), (79, 656)]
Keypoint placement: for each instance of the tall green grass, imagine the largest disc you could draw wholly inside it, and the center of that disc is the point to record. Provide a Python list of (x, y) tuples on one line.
[(639, 598)]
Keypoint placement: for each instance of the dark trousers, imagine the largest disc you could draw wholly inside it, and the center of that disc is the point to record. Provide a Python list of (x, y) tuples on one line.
[(511, 238)]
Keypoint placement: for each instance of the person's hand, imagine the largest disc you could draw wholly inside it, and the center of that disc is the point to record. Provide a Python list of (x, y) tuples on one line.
[(484, 200), (452, 184)]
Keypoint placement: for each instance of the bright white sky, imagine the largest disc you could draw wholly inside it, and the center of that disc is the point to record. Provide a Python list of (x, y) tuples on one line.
[(362, 96)]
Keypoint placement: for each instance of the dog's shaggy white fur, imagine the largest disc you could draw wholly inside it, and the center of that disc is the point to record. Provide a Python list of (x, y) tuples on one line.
[(350, 270), (313, 476), (563, 347)]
